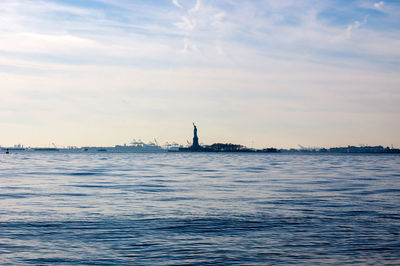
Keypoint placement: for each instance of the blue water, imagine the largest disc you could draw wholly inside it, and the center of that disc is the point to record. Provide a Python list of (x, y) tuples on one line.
[(183, 208)]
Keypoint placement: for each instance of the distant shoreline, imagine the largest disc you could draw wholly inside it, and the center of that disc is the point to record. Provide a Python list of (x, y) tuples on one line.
[(220, 148)]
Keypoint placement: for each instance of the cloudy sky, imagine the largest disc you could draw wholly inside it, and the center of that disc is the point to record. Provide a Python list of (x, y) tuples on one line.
[(260, 73)]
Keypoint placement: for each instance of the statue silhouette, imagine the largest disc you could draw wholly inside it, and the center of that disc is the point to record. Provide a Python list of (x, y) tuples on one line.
[(195, 138), (194, 130)]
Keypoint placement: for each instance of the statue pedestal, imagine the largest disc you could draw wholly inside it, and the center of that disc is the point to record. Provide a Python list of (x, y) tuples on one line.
[(196, 142)]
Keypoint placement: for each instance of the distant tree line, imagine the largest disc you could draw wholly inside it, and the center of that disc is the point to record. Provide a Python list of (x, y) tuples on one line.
[(348, 149)]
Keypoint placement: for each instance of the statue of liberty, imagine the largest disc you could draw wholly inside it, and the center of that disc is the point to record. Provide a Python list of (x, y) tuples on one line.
[(195, 138)]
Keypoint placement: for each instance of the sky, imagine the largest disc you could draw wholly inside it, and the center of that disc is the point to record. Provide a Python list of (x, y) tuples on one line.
[(262, 73)]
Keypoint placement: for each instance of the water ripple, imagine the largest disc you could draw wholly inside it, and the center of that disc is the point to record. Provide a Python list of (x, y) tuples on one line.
[(177, 209)]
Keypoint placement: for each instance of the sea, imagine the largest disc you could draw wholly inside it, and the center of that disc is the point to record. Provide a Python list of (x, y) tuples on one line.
[(60, 208)]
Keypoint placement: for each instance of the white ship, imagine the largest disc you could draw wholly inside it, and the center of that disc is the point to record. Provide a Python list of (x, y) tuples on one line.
[(134, 146)]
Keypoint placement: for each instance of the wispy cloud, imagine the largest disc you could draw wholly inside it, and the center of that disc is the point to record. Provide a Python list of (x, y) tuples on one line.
[(226, 62), (354, 26), (379, 5), (176, 3), (196, 6)]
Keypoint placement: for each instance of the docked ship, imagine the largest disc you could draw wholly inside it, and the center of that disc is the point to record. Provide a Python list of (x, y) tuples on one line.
[(135, 146)]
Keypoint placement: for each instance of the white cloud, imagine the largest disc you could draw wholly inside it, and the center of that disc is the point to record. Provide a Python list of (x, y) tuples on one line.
[(187, 24), (219, 16), (354, 26), (44, 43), (176, 3), (379, 5), (203, 24), (196, 6)]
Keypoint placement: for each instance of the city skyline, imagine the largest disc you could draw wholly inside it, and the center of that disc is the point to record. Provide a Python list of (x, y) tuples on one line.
[(258, 73)]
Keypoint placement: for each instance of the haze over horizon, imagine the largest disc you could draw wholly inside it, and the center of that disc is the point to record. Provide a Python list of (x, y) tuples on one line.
[(259, 73)]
